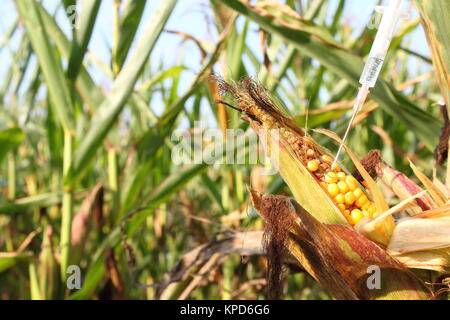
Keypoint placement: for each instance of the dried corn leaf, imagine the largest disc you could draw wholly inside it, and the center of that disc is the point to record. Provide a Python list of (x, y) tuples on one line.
[(243, 243), (289, 18), (435, 193), (441, 186), (435, 260)]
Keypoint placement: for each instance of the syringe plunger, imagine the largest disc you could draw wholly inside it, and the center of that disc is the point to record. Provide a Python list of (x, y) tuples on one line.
[(391, 15)]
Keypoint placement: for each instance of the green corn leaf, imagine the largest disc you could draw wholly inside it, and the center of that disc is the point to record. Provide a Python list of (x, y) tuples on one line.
[(49, 62), (88, 90), (436, 21), (313, 43), (10, 140), (109, 110), (40, 200), (82, 35), (128, 25)]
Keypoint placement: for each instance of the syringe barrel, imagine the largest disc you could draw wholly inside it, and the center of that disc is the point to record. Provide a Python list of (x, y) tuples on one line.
[(371, 71), (391, 16)]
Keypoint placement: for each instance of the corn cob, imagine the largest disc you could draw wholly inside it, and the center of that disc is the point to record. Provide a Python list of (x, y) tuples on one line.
[(343, 189)]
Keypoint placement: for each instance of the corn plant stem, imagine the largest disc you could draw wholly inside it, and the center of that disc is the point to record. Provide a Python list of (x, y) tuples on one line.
[(112, 153), (9, 242), (113, 180), (55, 178), (228, 275), (447, 176), (67, 204), (11, 176), (35, 291), (32, 191), (225, 197), (116, 33), (240, 193)]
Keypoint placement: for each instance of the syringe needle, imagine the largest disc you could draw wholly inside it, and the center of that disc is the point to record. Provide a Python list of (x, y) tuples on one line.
[(391, 15), (363, 92)]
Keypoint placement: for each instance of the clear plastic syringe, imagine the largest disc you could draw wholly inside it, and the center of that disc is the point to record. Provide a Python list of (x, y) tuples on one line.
[(391, 15)]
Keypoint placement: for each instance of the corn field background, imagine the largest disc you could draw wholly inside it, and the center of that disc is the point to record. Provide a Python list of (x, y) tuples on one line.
[(95, 95)]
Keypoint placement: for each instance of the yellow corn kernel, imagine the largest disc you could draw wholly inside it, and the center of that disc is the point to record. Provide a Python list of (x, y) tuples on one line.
[(361, 201), (342, 186), (351, 182), (324, 185), (312, 165), (340, 198), (326, 158), (358, 193), (332, 174), (366, 206), (349, 198), (365, 213), (341, 176), (333, 189), (336, 167), (310, 153), (347, 213), (356, 215), (331, 177), (341, 207)]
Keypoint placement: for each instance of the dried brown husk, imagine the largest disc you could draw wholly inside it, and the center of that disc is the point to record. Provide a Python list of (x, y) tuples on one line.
[(339, 257)]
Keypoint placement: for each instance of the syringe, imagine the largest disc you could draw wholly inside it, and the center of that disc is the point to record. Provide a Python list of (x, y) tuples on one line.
[(391, 15)]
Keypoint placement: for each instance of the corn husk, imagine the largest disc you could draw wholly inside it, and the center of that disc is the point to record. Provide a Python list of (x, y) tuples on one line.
[(270, 125), (339, 257), (298, 178), (423, 241), (319, 236), (403, 188), (438, 196)]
